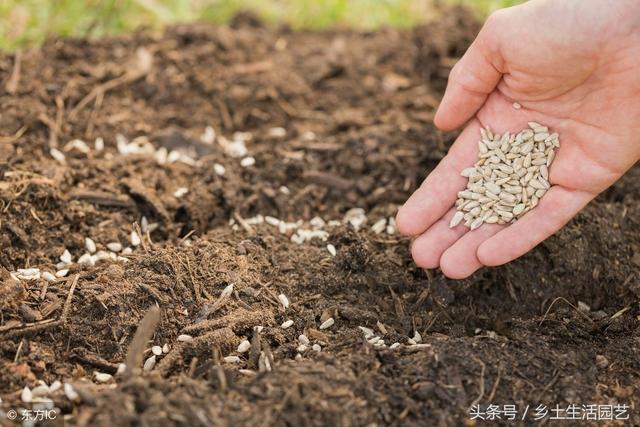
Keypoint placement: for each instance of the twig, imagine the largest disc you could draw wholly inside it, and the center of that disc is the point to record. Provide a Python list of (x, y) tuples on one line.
[(14, 81), (481, 393), (14, 137), (495, 384), (140, 69), (67, 304), (571, 305), (243, 223), (143, 334)]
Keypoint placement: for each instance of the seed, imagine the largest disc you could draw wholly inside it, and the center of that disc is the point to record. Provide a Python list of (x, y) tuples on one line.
[(102, 377), (114, 246), (476, 223), (457, 217), (286, 324), (180, 192), (70, 392), (517, 209), (49, 277), (550, 158), (493, 188), (149, 364), (244, 346), (468, 172), (66, 257), (544, 172), (185, 338), (283, 300), (327, 323), (517, 106), (157, 350), (90, 245)]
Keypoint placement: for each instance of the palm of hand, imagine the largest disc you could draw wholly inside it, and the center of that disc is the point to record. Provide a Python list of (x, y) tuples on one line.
[(588, 94)]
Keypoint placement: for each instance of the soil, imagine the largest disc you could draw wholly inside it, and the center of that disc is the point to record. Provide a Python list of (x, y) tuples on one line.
[(357, 109)]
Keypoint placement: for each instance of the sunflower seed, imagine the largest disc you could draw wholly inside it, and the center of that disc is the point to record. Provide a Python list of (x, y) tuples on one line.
[(327, 323), (185, 338), (149, 364), (101, 377), (509, 178), (232, 359), (286, 324), (244, 346), (283, 300), (457, 218)]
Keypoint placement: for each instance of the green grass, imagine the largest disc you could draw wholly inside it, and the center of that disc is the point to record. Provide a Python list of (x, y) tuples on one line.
[(28, 22)]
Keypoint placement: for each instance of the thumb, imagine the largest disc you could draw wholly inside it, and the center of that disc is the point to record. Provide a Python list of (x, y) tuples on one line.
[(474, 77)]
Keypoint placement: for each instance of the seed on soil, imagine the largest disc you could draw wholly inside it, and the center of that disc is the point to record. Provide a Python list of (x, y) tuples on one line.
[(283, 300), (247, 161), (331, 249), (218, 169), (301, 348), (101, 377), (232, 359), (180, 192), (244, 346), (226, 291), (185, 338), (122, 368), (40, 390), (135, 239), (287, 324), (150, 363), (156, 350), (58, 155), (66, 257), (368, 332), (303, 339), (114, 246), (327, 323), (417, 337), (503, 187), (26, 396), (316, 347), (165, 348), (394, 345), (86, 258), (49, 277), (379, 226), (90, 245), (55, 386), (70, 392)]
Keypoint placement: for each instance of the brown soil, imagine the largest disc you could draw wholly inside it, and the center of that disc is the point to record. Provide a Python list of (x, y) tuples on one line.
[(508, 335)]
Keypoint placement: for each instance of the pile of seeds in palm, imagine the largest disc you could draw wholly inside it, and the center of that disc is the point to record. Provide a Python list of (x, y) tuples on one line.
[(509, 178)]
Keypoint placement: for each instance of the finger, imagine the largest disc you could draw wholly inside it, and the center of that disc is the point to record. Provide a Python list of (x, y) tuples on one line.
[(461, 259), (430, 245), (555, 209), (439, 190), (473, 78)]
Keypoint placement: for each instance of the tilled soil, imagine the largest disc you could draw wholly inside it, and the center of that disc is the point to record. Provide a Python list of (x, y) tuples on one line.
[(356, 109)]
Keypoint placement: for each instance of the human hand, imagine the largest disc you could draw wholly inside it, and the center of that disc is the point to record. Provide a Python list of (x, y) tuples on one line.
[(573, 65)]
